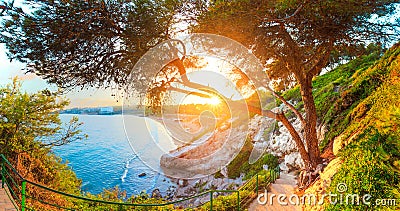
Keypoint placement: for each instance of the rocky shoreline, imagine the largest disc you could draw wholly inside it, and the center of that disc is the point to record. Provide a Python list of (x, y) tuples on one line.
[(276, 141)]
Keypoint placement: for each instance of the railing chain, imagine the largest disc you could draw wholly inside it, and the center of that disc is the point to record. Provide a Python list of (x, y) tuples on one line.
[(273, 175)]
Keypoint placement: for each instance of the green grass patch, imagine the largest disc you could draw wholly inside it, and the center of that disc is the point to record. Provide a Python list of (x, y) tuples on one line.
[(240, 164)]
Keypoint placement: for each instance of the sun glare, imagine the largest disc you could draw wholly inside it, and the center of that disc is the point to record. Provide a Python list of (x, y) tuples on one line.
[(213, 101)]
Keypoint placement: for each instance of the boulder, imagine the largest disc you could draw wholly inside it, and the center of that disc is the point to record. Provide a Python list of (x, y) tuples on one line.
[(224, 171), (182, 182), (156, 194)]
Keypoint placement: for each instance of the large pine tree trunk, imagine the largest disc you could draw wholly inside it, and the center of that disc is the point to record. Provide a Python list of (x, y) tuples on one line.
[(310, 131), (295, 135)]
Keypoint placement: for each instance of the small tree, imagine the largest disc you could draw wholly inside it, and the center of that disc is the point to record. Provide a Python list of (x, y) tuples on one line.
[(30, 122), (29, 127)]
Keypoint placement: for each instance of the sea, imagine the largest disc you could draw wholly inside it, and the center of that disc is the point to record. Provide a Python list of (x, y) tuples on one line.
[(106, 159)]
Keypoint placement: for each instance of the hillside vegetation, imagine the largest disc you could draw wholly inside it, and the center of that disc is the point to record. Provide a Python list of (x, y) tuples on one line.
[(359, 102)]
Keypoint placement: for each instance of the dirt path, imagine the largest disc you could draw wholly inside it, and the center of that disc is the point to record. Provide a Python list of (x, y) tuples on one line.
[(284, 185), (5, 202)]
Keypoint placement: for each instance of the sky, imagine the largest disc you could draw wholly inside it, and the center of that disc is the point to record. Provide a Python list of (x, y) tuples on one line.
[(32, 83), (94, 97)]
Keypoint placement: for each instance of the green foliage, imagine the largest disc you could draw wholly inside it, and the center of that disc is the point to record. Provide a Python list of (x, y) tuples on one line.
[(116, 195), (240, 164), (25, 117), (253, 169), (371, 160), (235, 166), (30, 127), (370, 168), (292, 94), (85, 43), (358, 80), (246, 192), (228, 202)]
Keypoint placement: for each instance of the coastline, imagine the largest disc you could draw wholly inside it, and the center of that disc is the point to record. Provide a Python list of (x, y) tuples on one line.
[(208, 150)]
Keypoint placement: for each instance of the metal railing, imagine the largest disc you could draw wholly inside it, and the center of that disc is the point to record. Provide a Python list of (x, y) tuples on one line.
[(261, 179), (18, 186)]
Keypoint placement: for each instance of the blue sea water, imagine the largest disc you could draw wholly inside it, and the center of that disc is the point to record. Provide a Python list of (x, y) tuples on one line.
[(106, 159)]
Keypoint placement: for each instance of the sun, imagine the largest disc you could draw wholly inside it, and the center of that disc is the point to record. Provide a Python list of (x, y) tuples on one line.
[(213, 101)]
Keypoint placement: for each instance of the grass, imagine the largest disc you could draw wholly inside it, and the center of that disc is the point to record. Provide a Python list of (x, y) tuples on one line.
[(240, 164), (371, 125)]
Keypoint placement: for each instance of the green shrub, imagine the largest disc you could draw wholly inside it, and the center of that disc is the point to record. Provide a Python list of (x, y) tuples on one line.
[(240, 164), (369, 168)]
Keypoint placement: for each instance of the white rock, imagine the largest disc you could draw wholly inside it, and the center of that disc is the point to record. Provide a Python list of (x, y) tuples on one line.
[(284, 168), (294, 160), (224, 171)]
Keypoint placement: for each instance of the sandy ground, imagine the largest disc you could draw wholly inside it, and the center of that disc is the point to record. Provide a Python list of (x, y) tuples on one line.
[(5, 201), (284, 185), (187, 128)]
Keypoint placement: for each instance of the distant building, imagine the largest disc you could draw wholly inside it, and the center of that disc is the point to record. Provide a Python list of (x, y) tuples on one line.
[(106, 110)]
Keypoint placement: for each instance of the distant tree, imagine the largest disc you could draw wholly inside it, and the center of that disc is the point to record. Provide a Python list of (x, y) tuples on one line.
[(296, 39), (30, 122), (29, 128)]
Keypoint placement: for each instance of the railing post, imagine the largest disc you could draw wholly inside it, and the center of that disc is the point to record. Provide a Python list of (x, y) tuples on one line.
[(3, 173), (257, 183), (273, 175), (211, 200), (23, 195), (279, 171), (238, 200)]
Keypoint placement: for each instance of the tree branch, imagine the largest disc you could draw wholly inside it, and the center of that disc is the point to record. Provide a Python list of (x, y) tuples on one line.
[(297, 11), (323, 60), (290, 106), (295, 135), (185, 80), (189, 92)]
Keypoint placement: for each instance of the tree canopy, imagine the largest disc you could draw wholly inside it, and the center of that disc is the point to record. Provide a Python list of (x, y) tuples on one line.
[(86, 43), (295, 40), (298, 38)]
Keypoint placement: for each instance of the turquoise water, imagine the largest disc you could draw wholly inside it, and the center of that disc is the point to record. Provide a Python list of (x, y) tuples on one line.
[(106, 159)]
